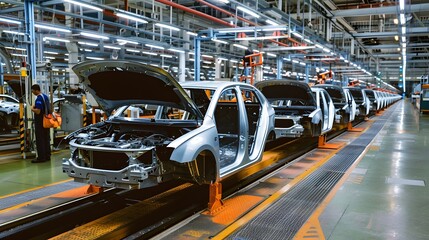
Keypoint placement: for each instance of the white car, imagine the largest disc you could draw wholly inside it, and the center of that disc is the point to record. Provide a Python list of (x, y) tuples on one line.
[(200, 132), (326, 105)]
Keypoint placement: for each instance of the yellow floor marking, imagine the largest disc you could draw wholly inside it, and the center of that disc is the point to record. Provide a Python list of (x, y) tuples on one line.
[(311, 230), (33, 189), (267, 202), (319, 210)]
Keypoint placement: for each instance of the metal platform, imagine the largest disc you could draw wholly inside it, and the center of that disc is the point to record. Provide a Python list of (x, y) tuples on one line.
[(284, 218)]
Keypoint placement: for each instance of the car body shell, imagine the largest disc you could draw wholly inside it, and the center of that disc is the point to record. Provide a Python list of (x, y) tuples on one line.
[(363, 104), (190, 147)]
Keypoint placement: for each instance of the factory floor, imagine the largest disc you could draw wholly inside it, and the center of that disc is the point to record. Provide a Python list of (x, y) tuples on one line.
[(386, 197)]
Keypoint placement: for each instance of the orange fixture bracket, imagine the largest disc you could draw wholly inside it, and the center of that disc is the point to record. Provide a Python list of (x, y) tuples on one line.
[(324, 145), (215, 198)]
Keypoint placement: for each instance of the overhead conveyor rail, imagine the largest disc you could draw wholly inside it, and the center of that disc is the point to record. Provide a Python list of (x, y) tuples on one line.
[(284, 218)]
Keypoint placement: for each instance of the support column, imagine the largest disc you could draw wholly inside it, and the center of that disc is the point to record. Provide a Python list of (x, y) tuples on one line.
[(197, 58), (31, 45), (182, 66), (307, 71), (218, 63), (279, 67)]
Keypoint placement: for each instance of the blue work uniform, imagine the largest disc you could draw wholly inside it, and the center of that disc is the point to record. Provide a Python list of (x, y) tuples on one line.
[(42, 134)]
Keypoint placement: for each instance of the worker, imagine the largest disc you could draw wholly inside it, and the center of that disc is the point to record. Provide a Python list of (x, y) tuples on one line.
[(40, 107)]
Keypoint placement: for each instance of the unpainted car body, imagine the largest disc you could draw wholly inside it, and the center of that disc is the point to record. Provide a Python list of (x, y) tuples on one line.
[(201, 132), (325, 103), (297, 112), (345, 106), (363, 104)]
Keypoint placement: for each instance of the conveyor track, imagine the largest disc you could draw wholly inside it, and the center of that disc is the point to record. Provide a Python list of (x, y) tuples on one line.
[(283, 219)]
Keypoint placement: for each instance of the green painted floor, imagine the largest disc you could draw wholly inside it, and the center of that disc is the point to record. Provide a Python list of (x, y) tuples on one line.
[(385, 197), (17, 174)]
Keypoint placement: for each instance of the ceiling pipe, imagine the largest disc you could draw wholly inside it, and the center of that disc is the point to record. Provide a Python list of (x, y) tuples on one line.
[(195, 12)]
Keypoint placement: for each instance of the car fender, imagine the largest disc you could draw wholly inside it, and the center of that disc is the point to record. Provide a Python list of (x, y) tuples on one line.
[(188, 146), (316, 116)]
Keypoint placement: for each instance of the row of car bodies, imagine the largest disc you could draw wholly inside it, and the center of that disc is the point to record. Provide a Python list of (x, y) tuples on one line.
[(202, 132)]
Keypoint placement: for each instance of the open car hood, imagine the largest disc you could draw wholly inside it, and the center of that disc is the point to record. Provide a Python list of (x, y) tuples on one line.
[(286, 89), (115, 83)]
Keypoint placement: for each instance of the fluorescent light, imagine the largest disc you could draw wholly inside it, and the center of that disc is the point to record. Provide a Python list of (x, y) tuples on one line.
[(404, 30), (166, 55), (302, 63), (243, 9), (149, 53), (55, 53), (297, 34), (319, 46), (259, 38), (154, 46), (233, 61), (239, 46), (9, 21), (396, 38), (326, 49), (404, 45), (272, 29), (84, 5), (167, 26), (91, 35), (222, 59), (88, 44), (404, 39), (86, 50), (129, 17), (271, 22), (295, 61), (207, 62), (191, 33), (308, 40), (18, 55), (224, 1), (52, 28), (219, 41), (132, 50), (235, 30), (271, 55), (401, 5), (95, 58), (13, 32), (111, 47), (402, 18), (123, 42), (207, 56), (14, 48), (395, 21), (47, 57), (176, 50), (56, 39)]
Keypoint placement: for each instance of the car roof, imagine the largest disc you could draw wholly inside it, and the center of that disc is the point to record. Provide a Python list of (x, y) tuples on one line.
[(211, 84)]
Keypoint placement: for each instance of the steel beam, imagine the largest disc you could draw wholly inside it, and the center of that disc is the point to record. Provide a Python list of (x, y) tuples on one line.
[(379, 10)]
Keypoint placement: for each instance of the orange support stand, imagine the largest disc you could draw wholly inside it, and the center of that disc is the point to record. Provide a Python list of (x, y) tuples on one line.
[(350, 128), (215, 198), (94, 189), (251, 61), (324, 145)]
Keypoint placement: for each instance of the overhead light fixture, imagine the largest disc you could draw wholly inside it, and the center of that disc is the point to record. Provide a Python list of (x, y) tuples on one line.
[(52, 28), (154, 46), (271, 22), (237, 30), (404, 39), (206, 56), (319, 46), (191, 33), (402, 18), (219, 41), (176, 50), (240, 46), (271, 55), (259, 38), (404, 30), (95, 58), (395, 21), (47, 57), (91, 35), (233, 61), (56, 39), (48, 52), (161, 25), (404, 45), (287, 48), (133, 50), (224, 1), (166, 55), (135, 18), (401, 5), (84, 5), (308, 41), (150, 53), (396, 38), (18, 55), (297, 34), (13, 32), (295, 61), (111, 47), (266, 29), (302, 63), (9, 21), (14, 48), (243, 9), (88, 44), (123, 42), (326, 50)]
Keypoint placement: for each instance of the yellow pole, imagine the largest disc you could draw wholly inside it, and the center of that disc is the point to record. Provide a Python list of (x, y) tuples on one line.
[(84, 110), (22, 129)]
